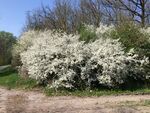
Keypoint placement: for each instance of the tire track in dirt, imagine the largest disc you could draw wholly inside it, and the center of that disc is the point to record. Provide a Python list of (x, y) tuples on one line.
[(14, 101)]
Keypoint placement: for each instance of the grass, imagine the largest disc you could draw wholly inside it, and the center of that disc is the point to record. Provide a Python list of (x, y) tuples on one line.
[(146, 103), (136, 103), (10, 79), (98, 92)]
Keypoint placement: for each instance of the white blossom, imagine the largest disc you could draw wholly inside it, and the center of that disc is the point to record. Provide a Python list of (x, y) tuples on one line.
[(104, 29), (146, 31)]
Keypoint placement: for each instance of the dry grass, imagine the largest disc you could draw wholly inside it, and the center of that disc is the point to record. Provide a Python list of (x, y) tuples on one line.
[(125, 110)]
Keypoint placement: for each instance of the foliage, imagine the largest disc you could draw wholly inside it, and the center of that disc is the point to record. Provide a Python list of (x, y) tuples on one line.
[(61, 60), (87, 33), (146, 48), (90, 33), (130, 36), (6, 42)]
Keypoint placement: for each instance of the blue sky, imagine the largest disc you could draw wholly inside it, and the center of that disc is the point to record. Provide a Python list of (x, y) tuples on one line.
[(13, 13)]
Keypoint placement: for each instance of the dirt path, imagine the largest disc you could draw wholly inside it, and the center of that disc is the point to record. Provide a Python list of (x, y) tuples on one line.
[(12, 101)]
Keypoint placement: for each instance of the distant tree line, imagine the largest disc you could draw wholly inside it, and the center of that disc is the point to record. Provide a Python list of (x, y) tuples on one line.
[(69, 15), (6, 42)]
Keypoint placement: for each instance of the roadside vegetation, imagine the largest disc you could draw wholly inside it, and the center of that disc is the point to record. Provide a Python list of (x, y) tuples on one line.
[(135, 104), (10, 79), (118, 69), (83, 56)]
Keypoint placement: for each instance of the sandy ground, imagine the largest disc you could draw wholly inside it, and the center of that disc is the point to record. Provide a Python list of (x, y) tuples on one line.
[(12, 101)]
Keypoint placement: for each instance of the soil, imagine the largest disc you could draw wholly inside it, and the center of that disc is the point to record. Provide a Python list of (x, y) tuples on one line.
[(14, 101)]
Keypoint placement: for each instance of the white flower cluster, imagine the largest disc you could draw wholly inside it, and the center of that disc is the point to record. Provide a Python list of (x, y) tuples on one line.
[(146, 31), (53, 55), (61, 60), (24, 42), (102, 29)]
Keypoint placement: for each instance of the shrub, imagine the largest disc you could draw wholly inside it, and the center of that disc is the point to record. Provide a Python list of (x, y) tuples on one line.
[(61, 60), (131, 36)]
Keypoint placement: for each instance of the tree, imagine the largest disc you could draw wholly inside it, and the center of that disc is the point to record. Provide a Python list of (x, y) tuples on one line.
[(138, 9), (91, 11), (63, 16), (6, 41)]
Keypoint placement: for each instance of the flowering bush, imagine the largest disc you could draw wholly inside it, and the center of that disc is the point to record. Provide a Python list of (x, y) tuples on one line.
[(52, 57), (61, 60), (114, 65)]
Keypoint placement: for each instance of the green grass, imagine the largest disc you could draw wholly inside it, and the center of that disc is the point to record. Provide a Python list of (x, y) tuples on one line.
[(10, 79), (136, 103), (98, 92), (147, 103)]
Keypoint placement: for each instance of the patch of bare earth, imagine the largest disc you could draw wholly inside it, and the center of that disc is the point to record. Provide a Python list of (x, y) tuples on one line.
[(12, 101)]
